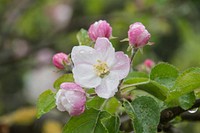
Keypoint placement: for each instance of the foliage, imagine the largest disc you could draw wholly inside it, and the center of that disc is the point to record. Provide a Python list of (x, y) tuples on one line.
[(174, 29), (165, 87)]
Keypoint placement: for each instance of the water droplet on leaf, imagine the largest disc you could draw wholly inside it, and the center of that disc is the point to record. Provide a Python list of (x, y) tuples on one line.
[(193, 110)]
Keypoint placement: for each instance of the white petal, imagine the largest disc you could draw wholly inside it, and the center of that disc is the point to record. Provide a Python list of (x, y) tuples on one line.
[(58, 100), (108, 86), (65, 103), (122, 65), (86, 76), (105, 50), (83, 54)]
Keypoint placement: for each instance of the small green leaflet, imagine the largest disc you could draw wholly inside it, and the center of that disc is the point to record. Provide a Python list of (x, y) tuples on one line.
[(111, 106), (63, 78), (83, 38), (45, 103)]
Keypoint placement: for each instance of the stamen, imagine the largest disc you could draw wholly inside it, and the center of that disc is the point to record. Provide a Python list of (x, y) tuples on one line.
[(101, 69)]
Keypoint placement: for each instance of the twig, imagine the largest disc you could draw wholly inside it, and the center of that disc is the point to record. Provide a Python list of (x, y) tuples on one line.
[(170, 113), (190, 116)]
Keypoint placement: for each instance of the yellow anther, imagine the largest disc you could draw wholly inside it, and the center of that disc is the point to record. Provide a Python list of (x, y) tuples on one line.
[(101, 69)]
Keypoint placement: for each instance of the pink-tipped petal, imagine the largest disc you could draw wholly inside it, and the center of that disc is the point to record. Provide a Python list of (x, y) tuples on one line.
[(105, 50), (122, 65), (76, 102), (71, 86)]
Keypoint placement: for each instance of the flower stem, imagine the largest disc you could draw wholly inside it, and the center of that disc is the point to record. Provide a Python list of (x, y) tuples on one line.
[(118, 94), (103, 105), (133, 52)]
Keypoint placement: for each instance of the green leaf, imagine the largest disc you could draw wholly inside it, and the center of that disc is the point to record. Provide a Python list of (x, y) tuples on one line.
[(92, 121), (45, 103), (159, 82), (111, 123), (111, 105), (136, 78), (83, 38), (63, 78), (145, 114), (186, 101), (95, 102), (165, 74), (136, 74), (135, 81), (155, 89), (187, 82)]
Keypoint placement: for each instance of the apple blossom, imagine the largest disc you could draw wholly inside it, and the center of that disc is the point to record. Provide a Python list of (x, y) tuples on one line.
[(100, 67), (71, 97), (138, 36), (59, 60), (100, 29)]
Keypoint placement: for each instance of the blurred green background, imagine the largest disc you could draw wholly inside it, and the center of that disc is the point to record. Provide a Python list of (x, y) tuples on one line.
[(31, 31)]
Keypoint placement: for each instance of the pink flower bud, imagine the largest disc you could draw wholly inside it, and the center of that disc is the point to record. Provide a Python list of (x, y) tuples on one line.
[(100, 29), (138, 36), (149, 63), (59, 60), (71, 98)]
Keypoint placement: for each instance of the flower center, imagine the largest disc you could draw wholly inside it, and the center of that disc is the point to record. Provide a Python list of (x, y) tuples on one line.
[(101, 69)]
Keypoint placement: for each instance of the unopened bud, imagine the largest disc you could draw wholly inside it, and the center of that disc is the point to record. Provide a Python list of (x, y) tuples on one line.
[(71, 98), (149, 63), (100, 29), (138, 36), (60, 59)]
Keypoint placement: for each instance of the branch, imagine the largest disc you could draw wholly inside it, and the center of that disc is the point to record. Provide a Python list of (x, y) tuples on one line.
[(190, 117), (170, 113)]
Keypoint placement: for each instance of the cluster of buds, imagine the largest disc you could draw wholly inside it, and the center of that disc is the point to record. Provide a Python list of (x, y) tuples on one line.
[(98, 67)]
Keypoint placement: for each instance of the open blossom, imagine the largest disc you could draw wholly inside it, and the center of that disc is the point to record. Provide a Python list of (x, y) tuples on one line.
[(59, 60), (138, 36), (100, 29), (71, 98), (100, 67)]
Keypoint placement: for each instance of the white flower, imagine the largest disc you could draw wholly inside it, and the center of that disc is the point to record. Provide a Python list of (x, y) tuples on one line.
[(100, 67)]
